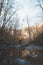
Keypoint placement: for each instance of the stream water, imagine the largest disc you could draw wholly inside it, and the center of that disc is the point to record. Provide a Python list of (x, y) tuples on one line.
[(11, 60)]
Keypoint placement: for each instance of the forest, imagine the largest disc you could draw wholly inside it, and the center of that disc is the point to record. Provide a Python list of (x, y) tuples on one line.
[(21, 32)]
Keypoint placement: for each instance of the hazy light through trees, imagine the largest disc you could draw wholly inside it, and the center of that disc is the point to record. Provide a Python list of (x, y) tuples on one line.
[(23, 8)]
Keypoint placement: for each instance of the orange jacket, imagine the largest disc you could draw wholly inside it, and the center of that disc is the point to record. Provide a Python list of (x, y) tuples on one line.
[(19, 37)]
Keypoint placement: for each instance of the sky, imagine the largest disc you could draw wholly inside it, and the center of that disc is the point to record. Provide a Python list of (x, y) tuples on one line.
[(31, 10), (28, 9)]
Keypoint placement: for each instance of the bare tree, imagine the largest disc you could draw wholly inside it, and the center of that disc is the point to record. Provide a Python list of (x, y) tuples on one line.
[(5, 21), (36, 28), (16, 25), (1, 5), (29, 31), (40, 4), (7, 13)]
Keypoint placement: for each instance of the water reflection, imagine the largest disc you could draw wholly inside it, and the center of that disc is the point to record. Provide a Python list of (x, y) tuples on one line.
[(11, 60), (16, 61)]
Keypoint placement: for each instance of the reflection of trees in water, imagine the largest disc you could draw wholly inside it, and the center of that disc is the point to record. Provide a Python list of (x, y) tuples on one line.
[(17, 61), (33, 56)]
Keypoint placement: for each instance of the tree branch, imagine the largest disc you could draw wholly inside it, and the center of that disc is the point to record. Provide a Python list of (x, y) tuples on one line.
[(1, 5)]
